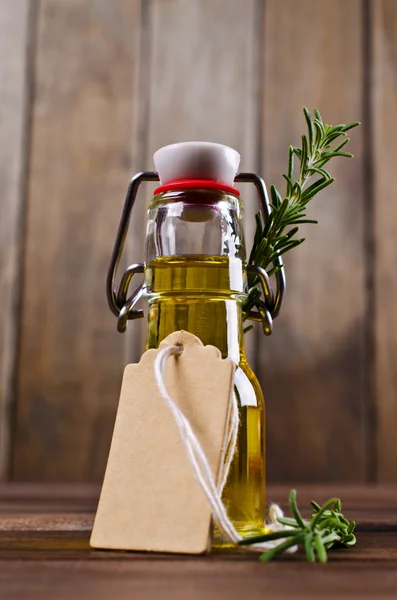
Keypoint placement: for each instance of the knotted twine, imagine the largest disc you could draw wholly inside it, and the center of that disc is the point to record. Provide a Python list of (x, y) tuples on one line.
[(200, 465)]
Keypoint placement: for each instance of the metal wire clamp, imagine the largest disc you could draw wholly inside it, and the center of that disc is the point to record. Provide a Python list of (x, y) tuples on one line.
[(123, 306)]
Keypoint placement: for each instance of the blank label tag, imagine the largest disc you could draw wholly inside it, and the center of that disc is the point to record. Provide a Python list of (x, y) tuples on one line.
[(150, 498)]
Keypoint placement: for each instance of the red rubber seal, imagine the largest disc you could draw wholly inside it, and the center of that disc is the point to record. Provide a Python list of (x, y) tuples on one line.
[(204, 184)]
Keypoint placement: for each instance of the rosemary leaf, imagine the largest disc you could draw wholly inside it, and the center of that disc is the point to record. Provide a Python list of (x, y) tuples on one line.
[(276, 236), (327, 528)]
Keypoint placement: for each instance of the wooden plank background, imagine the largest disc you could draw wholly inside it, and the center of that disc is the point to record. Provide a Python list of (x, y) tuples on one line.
[(384, 142), (88, 90), (14, 146), (313, 366), (70, 356)]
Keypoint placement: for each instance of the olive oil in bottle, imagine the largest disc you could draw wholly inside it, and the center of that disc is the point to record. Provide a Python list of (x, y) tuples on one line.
[(195, 280), (203, 294)]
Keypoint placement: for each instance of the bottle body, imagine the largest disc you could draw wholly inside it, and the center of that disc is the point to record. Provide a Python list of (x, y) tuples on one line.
[(200, 290)]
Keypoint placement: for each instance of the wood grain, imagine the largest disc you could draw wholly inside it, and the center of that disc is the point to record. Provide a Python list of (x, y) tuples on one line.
[(179, 580), (71, 356), (313, 367), (202, 82), (60, 507), (44, 531), (384, 121), (14, 39)]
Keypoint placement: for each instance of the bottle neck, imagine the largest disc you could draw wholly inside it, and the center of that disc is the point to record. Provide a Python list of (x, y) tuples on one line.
[(200, 294), (215, 321)]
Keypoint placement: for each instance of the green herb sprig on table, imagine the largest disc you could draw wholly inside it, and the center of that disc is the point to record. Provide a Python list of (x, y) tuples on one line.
[(278, 235), (327, 528)]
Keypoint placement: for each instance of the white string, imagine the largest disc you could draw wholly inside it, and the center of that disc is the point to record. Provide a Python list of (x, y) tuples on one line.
[(199, 462)]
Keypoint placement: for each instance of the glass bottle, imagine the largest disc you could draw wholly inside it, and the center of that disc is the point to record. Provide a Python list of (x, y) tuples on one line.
[(195, 280)]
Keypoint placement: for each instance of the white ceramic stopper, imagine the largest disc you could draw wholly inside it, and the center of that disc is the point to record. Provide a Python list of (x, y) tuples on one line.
[(196, 160)]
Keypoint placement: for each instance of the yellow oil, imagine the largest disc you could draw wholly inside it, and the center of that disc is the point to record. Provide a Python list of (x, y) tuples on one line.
[(203, 295)]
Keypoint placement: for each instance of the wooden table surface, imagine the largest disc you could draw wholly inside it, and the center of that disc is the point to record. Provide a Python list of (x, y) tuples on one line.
[(44, 553)]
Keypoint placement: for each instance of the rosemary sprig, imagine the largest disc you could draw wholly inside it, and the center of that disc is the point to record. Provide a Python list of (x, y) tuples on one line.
[(327, 528), (278, 235)]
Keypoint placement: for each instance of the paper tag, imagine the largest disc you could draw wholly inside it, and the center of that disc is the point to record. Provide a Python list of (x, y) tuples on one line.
[(150, 498)]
